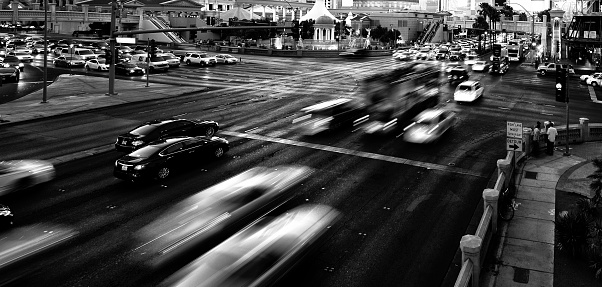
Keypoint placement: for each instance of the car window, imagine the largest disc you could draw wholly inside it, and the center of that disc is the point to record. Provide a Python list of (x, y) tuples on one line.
[(173, 148), (143, 130), (194, 56), (464, 88), (144, 152)]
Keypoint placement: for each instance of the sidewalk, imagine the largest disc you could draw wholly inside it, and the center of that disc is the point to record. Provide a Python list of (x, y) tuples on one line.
[(525, 254)]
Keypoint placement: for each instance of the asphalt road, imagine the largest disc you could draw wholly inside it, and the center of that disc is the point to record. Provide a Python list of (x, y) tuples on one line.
[(404, 206)]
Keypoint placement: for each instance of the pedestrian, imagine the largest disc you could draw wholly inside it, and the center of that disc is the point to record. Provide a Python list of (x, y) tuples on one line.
[(536, 133), (552, 133)]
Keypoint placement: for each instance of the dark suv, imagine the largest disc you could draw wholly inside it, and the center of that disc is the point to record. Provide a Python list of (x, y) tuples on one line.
[(457, 75), (13, 61), (159, 129)]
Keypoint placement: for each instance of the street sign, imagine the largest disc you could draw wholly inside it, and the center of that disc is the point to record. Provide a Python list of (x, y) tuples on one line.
[(514, 144), (514, 130)]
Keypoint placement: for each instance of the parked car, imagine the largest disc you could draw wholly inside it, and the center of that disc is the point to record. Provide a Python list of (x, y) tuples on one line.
[(429, 126), (22, 56), (12, 61), (215, 213), (153, 63), (68, 61), (10, 74), (157, 129), (97, 64), (199, 59), (20, 174), (160, 158), (468, 91), (39, 48), (128, 69), (328, 116), (226, 59), (457, 75), (262, 252), (480, 66)]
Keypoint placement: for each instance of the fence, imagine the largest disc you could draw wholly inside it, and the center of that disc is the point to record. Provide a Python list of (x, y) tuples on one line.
[(474, 247)]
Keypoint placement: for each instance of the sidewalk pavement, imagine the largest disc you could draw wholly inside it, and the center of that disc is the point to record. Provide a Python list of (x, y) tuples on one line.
[(526, 250), (525, 253)]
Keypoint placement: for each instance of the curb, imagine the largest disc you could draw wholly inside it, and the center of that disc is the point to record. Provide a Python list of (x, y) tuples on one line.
[(565, 175)]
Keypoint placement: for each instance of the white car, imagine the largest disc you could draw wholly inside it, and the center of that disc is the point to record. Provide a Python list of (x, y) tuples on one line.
[(23, 56), (471, 59), (594, 81), (172, 60), (226, 59), (20, 174), (468, 91), (404, 56), (97, 64), (480, 66), (199, 58), (583, 78), (429, 126)]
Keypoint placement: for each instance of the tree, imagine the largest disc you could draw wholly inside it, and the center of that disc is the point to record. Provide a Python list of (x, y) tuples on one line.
[(544, 12), (480, 23), (507, 10), (596, 184), (523, 17)]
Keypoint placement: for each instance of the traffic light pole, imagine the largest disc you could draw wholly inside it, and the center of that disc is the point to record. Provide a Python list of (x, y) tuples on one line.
[(148, 54), (566, 101), (112, 42)]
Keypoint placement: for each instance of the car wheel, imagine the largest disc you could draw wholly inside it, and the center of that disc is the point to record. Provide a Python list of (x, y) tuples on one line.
[(594, 84), (88, 68), (163, 173), (98, 69), (542, 72), (16, 79), (219, 152), (209, 132), (202, 64), (188, 62)]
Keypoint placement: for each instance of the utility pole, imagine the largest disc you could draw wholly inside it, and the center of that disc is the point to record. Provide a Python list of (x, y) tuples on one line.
[(112, 42), (44, 89)]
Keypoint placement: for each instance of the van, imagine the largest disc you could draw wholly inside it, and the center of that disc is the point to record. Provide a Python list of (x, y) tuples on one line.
[(155, 63)]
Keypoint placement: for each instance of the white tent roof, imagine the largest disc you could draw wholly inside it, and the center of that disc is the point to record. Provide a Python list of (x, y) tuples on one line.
[(318, 10), (238, 12)]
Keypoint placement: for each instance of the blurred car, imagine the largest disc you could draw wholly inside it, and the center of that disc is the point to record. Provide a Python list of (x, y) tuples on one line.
[(429, 126), (128, 69), (354, 53), (502, 68), (97, 64), (160, 158), (262, 252), (480, 66), (126, 50), (594, 81), (39, 48), (583, 78), (328, 115), (21, 174), (171, 59), (441, 55), (215, 212), (468, 91), (6, 217), (22, 56), (226, 59), (157, 129), (450, 66), (471, 59), (68, 61), (404, 56), (12, 61), (10, 74), (457, 75), (456, 56)]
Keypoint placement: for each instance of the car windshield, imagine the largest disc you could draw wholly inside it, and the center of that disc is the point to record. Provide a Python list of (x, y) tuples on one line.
[(70, 58), (21, 54), (85, 52), (168, 57), (145, 152), (480, 63), (464, 88), (157, 59), (130, 65), (143, 130), (227, 56), (102, 61)]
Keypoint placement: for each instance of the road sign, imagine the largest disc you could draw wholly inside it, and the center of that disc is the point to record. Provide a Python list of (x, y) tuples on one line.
[(514, 130), (514, 144)]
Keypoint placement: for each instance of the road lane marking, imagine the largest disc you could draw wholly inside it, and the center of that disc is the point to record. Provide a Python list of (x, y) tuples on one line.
[(356, 153), (592, 95)]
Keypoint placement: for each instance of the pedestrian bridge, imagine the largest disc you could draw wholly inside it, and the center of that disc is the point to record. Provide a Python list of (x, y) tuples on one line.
[(526, 27)]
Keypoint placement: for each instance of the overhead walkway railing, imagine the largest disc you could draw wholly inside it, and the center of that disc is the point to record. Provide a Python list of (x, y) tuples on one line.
[(162, 25)]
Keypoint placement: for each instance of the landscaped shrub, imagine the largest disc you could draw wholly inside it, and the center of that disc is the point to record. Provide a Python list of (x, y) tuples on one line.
[(587, 206), (596, 184), (572, 230), (594, 247)]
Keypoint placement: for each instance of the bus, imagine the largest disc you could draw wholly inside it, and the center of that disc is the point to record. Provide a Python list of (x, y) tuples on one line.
[(515, 51)]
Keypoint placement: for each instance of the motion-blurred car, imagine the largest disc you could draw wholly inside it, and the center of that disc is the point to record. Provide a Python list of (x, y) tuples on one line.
[(429, 126), (468, 91), (501, 69), (12, 61), (471, 59), (261, 253), (480, 66), (160, 158), (193, 224), (328, 115), (97, 65), (226, 59), (456, 56), (157, 129), (404, 56), (6, 217), (594, 81), (22, 56), (457, 75), (21, 174), (128, 69), (583, 78), (171, 59), (450, 66), (39, 48), (68, 61), (9, 74)]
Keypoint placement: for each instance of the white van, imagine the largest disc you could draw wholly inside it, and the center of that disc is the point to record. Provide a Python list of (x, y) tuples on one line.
[(156, 63)]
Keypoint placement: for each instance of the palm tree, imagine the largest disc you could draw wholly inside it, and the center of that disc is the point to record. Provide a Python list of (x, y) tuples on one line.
[(596, 184)]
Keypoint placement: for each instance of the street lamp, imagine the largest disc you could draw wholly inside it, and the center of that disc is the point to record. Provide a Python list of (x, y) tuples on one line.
[(71, 59), (532, 20)]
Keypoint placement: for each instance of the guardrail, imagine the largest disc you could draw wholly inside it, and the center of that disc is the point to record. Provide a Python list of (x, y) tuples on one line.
[(474, 247)]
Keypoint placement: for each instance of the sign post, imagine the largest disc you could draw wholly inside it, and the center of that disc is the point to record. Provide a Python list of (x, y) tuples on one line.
[(514, 138)]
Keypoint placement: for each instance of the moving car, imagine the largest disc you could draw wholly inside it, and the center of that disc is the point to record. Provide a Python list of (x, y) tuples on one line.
[(22, 56), (97, 64), (157, 129), (502, 68), (226, 59), (594, 81), (328, 115), (404, 56), (429, 126), (354, 53), (153, 64), (171, 59), (6, 217), (457, 75), (450, 66), (480, 66), (456, 56), (193, 225), (9, 74), (128, 69), (471, 59), (68, 61), (159, 158), (21, 174), (583, 78), (262, 252), (12, 61), (468, 91)]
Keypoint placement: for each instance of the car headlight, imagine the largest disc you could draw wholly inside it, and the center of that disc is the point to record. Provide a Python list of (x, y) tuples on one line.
[(20, 64), (131, 71), (116, 163), (137, 143), (6, 65), (139, 167)]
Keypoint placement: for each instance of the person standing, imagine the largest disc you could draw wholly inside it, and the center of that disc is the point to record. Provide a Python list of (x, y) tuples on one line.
[(552, 133), (536, 133)]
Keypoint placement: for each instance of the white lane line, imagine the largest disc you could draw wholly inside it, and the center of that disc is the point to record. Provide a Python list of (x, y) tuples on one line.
[(592, 95), (503, 108), (547, 114), (356, 153)]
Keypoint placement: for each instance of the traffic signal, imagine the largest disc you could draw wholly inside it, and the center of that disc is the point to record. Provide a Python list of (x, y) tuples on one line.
[(153, 48), (108, 56), (561, 77), (295, 30)]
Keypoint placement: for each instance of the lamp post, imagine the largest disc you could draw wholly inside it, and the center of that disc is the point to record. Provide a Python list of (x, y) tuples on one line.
[(44, 89), (71, 59), (532, 20)]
